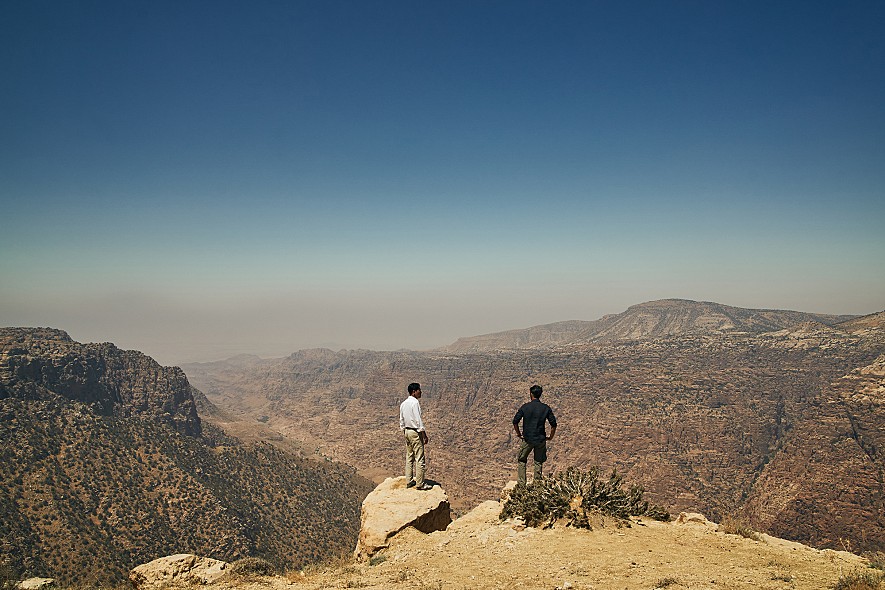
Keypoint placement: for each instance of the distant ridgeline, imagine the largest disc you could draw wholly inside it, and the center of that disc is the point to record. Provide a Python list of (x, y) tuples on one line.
[(105, 464), (774, 417)]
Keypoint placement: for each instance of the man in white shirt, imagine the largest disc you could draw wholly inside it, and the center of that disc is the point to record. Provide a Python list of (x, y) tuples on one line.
[(413, 430)]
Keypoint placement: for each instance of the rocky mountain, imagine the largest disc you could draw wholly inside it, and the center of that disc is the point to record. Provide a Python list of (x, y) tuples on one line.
[(783, 427), (105, 463), (44, 363), (655, 319)]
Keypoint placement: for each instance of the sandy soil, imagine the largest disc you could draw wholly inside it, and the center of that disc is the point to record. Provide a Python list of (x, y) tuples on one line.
[(478, 551)]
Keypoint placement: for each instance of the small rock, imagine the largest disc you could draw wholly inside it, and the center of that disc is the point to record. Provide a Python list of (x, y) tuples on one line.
[(693, 518)]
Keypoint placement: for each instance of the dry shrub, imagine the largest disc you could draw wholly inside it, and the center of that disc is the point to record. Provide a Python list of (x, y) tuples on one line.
[(252, 566), (877, 560), (860, 580), (731, 525), (578, 497), (8, 576)]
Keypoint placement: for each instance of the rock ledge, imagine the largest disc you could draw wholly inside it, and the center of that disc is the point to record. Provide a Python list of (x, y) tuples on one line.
[(391, 507)]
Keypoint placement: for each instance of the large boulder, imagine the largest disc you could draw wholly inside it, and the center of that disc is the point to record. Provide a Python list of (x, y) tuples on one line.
[(36, 584), (391, 507), (183, 568)]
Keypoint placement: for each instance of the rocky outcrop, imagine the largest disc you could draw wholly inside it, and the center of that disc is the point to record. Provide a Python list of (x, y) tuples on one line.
[(36, 584), (183, 568), (37, 363), (392, 506)]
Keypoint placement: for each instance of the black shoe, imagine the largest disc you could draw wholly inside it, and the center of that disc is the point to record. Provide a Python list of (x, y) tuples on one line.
[(424, 487), (411, 484)]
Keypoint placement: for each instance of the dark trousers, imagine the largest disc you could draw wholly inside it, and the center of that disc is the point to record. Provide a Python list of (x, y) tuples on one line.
[(540, 455)]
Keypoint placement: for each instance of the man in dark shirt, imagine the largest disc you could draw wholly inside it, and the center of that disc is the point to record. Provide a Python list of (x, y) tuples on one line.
[(534, 436)]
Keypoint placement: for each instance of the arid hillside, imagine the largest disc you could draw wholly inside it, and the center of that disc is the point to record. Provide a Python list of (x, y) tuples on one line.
[(783, 427), (105, 464)]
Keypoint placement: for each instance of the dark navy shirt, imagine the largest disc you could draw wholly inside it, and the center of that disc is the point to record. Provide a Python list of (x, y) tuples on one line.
[(534, 414)]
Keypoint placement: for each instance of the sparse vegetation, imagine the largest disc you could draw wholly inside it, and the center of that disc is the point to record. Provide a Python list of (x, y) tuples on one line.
[(877, 560), (578, 497), (782, 577), (252, 566), (731, 525), (403, 576), (8, 576), (860, 580)]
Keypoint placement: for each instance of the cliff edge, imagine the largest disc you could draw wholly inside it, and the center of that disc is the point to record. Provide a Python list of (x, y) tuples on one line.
[(479, 551)]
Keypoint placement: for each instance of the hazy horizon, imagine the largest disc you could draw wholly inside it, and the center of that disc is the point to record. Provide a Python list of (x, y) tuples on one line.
[(220, 350), (201, 180)]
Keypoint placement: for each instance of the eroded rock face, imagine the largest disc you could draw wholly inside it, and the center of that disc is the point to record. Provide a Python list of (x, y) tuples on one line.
[(39, 362), (183, 568), (391, 507)]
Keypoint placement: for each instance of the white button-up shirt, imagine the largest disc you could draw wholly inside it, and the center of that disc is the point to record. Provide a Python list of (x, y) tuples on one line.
[(410, 414)]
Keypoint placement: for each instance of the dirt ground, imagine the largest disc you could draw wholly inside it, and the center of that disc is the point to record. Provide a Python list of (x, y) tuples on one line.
[(478, 551)]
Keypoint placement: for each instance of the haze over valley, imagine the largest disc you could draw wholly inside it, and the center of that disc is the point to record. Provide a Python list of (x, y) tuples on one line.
[(232, 233)]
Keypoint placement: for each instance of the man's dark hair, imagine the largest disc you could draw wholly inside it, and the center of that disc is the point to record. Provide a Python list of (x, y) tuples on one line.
[(414, 387), (535, 390)]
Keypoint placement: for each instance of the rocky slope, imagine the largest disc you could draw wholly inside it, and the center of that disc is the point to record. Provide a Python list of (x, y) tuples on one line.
[(654, 319), (105, 464), (781, 427)]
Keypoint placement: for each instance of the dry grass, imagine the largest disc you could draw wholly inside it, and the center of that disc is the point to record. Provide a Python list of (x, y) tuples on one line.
[(731, 525), (877, 560), (860, 580)]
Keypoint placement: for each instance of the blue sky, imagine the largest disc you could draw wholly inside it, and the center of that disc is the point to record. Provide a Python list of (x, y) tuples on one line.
[(199, 179)]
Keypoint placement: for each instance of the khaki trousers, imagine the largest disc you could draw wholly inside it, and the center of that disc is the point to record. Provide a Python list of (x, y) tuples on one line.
[(414, 457)]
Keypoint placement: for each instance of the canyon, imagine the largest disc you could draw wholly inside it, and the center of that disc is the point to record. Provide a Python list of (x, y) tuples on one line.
[(774, 417)]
